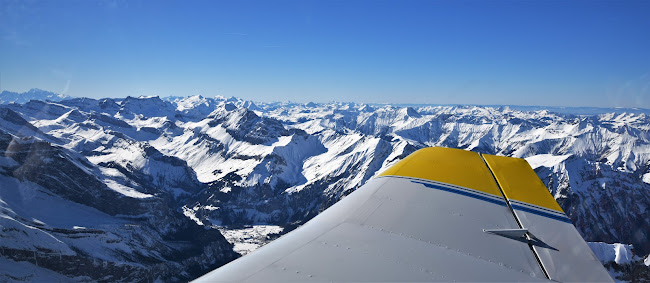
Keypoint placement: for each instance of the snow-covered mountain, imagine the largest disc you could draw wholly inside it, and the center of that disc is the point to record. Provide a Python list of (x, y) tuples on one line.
[(7, 97), (192, 167), (103, 216)]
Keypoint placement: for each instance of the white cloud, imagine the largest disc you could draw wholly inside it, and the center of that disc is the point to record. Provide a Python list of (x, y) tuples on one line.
[(66, 88)]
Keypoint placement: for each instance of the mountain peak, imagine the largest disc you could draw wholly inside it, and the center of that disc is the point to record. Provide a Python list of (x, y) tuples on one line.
[(38, 90)]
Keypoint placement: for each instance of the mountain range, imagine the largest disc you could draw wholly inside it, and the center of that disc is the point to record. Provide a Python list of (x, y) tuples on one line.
[(7, 97), (149, 188)]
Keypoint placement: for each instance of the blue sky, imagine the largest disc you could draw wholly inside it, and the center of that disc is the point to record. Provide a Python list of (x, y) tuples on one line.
[(559, 53)]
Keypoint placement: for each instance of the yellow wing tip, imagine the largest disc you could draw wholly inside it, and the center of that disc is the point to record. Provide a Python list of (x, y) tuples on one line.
[(467, 169)]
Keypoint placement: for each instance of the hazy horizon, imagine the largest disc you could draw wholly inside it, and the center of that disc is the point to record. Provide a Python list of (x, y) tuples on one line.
[(556, 53)]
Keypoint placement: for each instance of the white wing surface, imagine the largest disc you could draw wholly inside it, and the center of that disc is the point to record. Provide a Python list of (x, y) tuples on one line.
[(438, 215)]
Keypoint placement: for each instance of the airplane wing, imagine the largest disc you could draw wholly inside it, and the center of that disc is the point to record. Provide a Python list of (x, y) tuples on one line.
[(438, 215)]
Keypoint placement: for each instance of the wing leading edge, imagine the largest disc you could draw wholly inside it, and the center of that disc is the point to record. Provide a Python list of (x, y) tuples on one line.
[(438, 215)]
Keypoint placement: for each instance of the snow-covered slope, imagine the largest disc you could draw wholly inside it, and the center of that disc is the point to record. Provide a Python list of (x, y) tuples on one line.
[(621, 261), (618, 253), (116, 221), (230, 165)]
